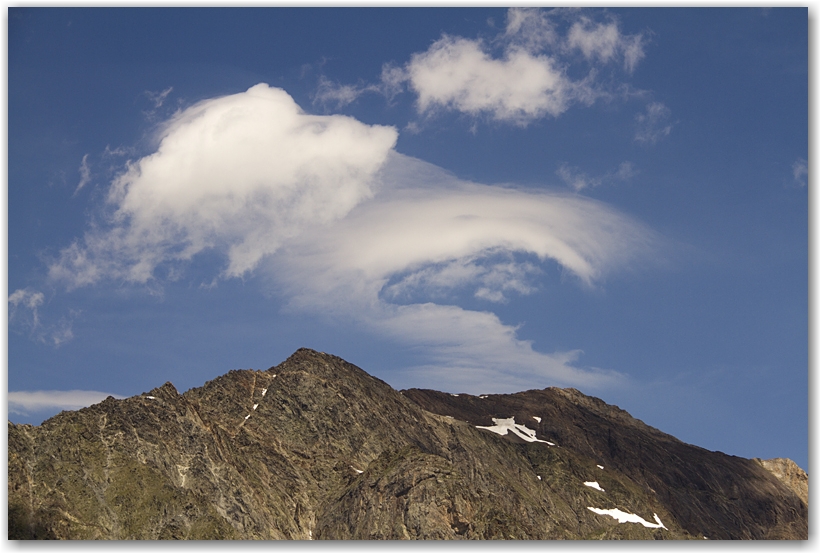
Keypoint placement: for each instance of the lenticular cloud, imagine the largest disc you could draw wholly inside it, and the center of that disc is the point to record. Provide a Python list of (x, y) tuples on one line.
[(345, 227)]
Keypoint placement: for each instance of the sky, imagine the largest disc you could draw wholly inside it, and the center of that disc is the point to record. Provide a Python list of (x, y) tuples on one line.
[(468, 200)]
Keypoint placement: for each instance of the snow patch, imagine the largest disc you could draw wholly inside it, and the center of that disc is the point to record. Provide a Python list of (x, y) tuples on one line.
[(538, 477), (622, 517), (482, 397), (247, 416), (264, 391), (502, 426), (357, 470), (537, 419), (454, 395), (600, 467), (255, 405), (150, 397), (593, 485)]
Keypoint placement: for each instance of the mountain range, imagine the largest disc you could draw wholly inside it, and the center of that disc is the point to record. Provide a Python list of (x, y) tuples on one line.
[(316, 448)]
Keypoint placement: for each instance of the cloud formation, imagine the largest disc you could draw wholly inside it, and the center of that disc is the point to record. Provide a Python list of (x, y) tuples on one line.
[(519, 77), (654, 125), (25, 403), (344, 227), (240, 174)]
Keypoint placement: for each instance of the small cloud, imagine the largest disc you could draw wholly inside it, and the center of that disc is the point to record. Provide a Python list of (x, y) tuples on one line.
[(24, 403), (654, 125), (604, 42), (85, 174), (116, 152), (460, 74), (158, 98), (626, 171), (24, 312), (30, 301), (578, 180), (800, 170), (63, 331), (530, 28), (329, 92)]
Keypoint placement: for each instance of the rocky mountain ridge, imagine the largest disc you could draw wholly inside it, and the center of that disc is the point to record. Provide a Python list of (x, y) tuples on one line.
[(315, 448)]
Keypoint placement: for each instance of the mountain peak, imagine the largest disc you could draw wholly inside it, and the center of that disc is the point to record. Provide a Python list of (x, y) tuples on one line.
[(316, 448)]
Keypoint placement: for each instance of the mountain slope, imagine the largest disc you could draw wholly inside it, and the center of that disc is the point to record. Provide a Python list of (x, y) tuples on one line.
[(317, 448)]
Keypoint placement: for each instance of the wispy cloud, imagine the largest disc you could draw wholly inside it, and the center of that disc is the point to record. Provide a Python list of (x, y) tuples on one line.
[(24, 313), (800, 171), (345, 227), (579, 180), (85, 174), (158, 98), (26, 403), (654, 125), (604, 42), (24, 307)]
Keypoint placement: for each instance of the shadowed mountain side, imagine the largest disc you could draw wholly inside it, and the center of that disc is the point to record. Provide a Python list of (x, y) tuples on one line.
[(710, 493), (317, 448)]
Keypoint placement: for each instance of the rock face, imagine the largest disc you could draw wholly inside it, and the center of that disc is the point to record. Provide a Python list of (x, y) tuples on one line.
[(315, 448), (790, 474)]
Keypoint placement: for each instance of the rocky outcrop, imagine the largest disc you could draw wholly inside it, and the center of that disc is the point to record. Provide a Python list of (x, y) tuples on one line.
[(315, 448), (790, 474)]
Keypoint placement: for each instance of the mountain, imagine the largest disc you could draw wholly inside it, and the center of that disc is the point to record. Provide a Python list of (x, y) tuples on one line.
[(315, 448)]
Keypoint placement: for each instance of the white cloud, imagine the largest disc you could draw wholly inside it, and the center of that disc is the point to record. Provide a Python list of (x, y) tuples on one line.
[(241, 173), (24, 403), (518, 77), (85, 174), (346, 228), (800, 170), (529, 80), (654, 125), (457, 73), (427, 232)]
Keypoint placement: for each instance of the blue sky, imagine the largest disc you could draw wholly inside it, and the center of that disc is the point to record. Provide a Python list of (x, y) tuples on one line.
[(474, 201)]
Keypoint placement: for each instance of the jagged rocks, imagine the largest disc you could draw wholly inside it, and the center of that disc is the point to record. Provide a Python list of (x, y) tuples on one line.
[(317, 448)]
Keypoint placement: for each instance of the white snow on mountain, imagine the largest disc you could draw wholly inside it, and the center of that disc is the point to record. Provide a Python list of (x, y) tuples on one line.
[(502, 426), (622, 517)]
